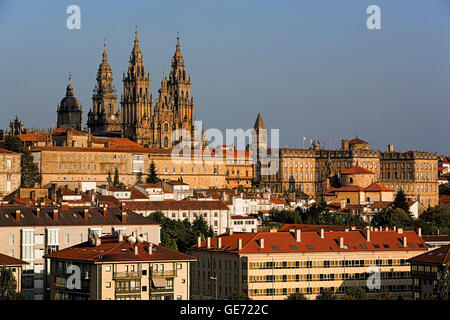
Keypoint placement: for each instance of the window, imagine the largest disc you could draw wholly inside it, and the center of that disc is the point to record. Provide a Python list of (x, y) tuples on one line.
[(66, 238), (11, 239), (166, 142)]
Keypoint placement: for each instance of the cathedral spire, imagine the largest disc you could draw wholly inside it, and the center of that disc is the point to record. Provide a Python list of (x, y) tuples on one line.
[(69, 90)]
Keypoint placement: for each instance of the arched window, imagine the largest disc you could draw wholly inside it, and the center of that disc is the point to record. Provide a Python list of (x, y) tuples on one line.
[(166, 127), (166, 142)]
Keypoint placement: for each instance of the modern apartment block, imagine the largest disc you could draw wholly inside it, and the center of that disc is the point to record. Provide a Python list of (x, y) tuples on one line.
[(426, 271), (27, 233), (273, 265), (119, 268)]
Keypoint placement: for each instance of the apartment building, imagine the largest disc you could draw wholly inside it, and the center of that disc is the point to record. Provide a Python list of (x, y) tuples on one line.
[(120, 268), (27, 233), (273, 265), (10, 172), (426, 269), (216, 213), (15, 265)]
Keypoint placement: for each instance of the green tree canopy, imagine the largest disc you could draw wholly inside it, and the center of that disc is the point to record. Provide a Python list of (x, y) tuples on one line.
[(30, 171), (8, 285), (326, 294), (296, 296), (355, 293), (152, 177)]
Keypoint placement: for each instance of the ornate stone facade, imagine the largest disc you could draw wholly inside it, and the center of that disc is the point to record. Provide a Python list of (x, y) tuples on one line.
[(104, 118), (155, 128), (70, 111)]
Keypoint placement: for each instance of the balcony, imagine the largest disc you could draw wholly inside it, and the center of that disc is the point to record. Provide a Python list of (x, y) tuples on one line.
[(161, 290), (127, 275), (164, 273), (127, 290)]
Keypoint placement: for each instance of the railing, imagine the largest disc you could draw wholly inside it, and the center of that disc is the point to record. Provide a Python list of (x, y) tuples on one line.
[(165, 273), (136, 274), (162, 290), (128, 290)]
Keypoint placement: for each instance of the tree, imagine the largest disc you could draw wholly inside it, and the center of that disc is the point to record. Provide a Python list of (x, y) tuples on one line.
[(355, 293), (152, 177), (401, 202), (385, 296), (326, 294), (393, 217), (297, 296), (239, 295), (434, 220), (30, 171), (443, 283), (240, 188), (116, 177), (139, 178), (8, 285)]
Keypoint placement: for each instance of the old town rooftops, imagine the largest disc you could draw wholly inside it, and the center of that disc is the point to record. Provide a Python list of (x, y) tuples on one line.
[(309, 242), (177, 205), (6, 151), (14, 216), (111, 249)]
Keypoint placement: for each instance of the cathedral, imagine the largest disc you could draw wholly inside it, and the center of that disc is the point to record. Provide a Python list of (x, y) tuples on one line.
[(159, 124)]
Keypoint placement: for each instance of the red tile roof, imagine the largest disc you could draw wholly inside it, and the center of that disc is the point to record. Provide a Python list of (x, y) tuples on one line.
[(241, 217), (315, 227), (436, 238), (444, 199), (10, 261), (5, 151), (111, 250), (377, 187), (357, 170), (73, 216), (284, 242), (33, 137), (357, 141), (149, 185), (440, 256)]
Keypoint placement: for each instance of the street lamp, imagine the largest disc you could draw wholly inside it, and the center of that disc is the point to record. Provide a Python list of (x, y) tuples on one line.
[(215, 278)]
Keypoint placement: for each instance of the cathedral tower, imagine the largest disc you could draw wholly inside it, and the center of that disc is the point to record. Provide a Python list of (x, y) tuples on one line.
[(69, 111), (104, 118), (178, 110), (136, 100)]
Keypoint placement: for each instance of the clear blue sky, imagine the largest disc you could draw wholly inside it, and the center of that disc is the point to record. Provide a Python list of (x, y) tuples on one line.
[(311, 68)]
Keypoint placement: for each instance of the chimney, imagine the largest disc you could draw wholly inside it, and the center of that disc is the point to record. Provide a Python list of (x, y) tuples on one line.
[(208, 242), (322, 233), (405, 242), (55, 215), (341, 242), (230, 231), (64, 206), (298, 235), (255, 230), (38, 213), (400, 230), (199, 242), (86, 214), (419, 232), (353, 228), (120, 235), (273, 230), (105, 210), (136, 249), (261, 243), (367, 233), (346, 229), (239, 244), (150, 248), (124, 217), (395, 228), (390, 148), (219, 243), (17, 215), (123, 205)]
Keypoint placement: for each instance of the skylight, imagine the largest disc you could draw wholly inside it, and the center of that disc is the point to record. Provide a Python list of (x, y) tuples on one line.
[(310, 246), (275, 248)]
